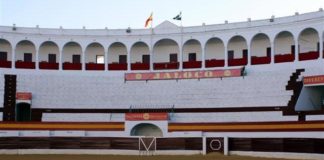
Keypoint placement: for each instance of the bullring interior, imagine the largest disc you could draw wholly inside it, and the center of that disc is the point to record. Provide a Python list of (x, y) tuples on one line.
[(234, 88)]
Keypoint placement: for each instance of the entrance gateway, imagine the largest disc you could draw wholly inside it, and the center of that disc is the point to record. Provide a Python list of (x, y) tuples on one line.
[(145, 127)]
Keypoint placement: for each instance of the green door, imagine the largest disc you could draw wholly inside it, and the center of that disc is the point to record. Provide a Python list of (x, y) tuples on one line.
[(23, 112)]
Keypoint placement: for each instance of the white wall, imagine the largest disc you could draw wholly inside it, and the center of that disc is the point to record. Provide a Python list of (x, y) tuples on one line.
[(259, 45), (25, 47), (69, 50), (163, 49), (283, 43), (137, 51), (48, 48), (92, 51), (83, 117), (192, 46), (237, 44), (308, 40), (115, 50), (72, 90), (6, 47), (231, 117), (215, 49)]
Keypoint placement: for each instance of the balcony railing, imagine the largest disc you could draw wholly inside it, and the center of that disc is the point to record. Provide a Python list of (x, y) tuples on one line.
[(117, 66), (260, 60), (282, 58), (214, 63), (48, 65), (25, 65), (308, 55), (192, 64), (237, 62), (140, 66), (72, 66), (95, 66), (5, 64), (166, 65)]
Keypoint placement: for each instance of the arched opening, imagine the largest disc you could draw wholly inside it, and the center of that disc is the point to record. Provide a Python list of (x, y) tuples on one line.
[(146, 129), (165, 54), (140, 56), (214, 53), (95, 57), (308, 44), (260, 49), (23, 112), (117, 56), (25, 55), (237, 51), (192, 54), (5, 54), (284, 46), (72, 53), (48, 55)]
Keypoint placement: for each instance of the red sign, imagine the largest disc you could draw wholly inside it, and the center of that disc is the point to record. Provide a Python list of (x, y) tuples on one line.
[(145, 116), (183, 75), (310, 80), (23, 96)]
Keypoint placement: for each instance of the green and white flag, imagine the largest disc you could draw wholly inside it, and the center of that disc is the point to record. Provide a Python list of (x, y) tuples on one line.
[(178, 17)]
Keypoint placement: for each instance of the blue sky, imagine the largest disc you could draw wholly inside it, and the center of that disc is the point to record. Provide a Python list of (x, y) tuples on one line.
[(98, 14)]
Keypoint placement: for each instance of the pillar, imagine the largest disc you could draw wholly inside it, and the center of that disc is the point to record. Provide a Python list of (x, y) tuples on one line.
[(37, 59), (296, 50), (106, 60), (225, 145), (83, 61), (272, 52), (203, 57)]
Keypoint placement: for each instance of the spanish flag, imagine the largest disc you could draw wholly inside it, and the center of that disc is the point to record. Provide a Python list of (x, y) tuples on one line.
[(149, 19)]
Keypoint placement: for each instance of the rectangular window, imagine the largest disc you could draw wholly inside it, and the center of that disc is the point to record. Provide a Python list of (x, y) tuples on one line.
[(192, 57), (269, 52), (173, 57), (28, 57), (230, 54), (100, 59), (3, 56), (51, 58), (292, 49), (122, 59), (76, 58), (245, 53), (146, 58)]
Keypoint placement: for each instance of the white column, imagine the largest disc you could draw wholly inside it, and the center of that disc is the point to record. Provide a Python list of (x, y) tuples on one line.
[(203, 57), (248, 55), (37, 59), (321, 47), (83, 60), (60, 60), (225, 145), (296, 50), (204, 147), (106, 60), (226, 56), (272, 52), (128, 60), (13, 58), (181, 58)]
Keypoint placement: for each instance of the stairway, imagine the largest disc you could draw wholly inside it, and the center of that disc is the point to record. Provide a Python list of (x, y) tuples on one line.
[(296, 87), (9, 103)]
